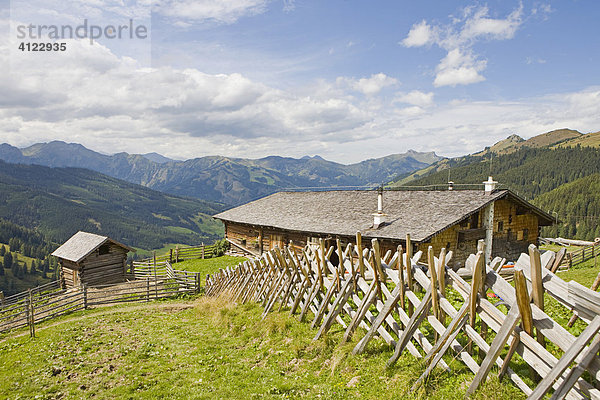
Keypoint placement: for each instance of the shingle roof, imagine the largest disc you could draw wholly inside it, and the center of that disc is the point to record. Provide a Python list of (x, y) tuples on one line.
[(420, 213), (81, 245)]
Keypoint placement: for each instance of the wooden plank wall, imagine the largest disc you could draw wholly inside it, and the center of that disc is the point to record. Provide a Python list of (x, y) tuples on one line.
[(96, 269)]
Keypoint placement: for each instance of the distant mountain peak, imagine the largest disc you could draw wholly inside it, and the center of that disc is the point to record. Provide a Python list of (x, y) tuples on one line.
[(514, 138), (157, 158), (315, 157)]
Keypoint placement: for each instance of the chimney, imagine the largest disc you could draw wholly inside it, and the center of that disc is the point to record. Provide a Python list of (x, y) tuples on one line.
[(489, 185), (450, 185), (379, 216)]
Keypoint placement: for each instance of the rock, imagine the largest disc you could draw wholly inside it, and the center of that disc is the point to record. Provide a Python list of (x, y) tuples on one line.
[(353, 382), (56, 370)]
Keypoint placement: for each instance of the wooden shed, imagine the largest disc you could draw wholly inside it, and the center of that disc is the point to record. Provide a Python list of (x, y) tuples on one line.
[(87, 258), (454, 219)]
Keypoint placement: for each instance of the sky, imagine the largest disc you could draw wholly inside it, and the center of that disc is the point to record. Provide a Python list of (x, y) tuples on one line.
[(345, 79)]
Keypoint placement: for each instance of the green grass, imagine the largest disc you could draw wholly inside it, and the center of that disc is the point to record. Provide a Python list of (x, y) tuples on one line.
[(211, 349), (208, 265)]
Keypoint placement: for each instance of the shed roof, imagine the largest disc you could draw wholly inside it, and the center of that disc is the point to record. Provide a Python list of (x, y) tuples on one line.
[(82, 244), (420, 213)]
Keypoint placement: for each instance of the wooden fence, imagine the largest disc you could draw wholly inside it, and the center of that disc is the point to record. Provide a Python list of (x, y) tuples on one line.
[(49, 301), (582, 255), (184, 253), (380, 294)]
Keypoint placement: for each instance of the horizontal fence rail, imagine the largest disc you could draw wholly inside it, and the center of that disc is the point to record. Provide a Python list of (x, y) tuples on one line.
[(49, 301), (403, 300), (184, 253)]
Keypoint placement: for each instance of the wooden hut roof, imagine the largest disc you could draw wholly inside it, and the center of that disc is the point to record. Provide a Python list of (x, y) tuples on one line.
[(420, 213), (82, 244)]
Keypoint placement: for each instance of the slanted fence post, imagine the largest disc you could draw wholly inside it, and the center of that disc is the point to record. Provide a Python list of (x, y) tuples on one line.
[(536, 284), (147, 289)]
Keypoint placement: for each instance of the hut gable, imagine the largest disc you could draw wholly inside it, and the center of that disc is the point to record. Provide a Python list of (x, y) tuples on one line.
[(82, 244), (423, 214)]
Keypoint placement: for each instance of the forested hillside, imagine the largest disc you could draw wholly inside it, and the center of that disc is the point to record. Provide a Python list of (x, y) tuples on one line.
[(577, 206), (57, 202), (528, 171), (551, 177)]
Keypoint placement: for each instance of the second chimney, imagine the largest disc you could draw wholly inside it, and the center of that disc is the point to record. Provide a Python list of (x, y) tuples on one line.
[(489, 185), (379, 216)]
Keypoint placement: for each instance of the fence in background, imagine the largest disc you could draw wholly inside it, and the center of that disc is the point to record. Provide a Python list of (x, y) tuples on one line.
[(582, 255), (49, 301), (184, 253), (380, 293)]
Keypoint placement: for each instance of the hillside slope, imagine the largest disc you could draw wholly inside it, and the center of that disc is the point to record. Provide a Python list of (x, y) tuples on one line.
[(589, 139), (513, 143), (229, 180), (60, 201), (528, 171), (577, 206)]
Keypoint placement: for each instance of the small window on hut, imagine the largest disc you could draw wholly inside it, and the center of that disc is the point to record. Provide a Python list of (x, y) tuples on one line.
[(474, 221), (104, 249), (521, 210), (500, 226)]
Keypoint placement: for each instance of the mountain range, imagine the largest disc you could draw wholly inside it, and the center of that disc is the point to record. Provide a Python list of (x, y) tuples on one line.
[(232, 181)]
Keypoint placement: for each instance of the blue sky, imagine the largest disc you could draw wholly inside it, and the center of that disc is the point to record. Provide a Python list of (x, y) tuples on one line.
[(348, 80)]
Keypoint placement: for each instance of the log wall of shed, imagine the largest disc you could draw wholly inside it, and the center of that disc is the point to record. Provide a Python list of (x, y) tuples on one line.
[(96, 268)]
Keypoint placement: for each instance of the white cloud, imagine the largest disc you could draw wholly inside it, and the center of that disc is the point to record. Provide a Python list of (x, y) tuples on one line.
[(58, 100), (419, 35), (368, 86), (222, 11), (480, 25), (534, 60), (461, 66), (289, 5), (416, 98)]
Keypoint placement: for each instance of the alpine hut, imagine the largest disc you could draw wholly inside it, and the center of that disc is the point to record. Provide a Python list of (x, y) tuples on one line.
[(453, 219), (87, 258)]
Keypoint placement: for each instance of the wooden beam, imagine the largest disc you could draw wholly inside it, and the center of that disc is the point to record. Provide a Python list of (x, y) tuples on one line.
[(511, 321), (566, 360), (409, 275), (435, 305), (413, 324), (588, 355), (536, 284), (385, 311)]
